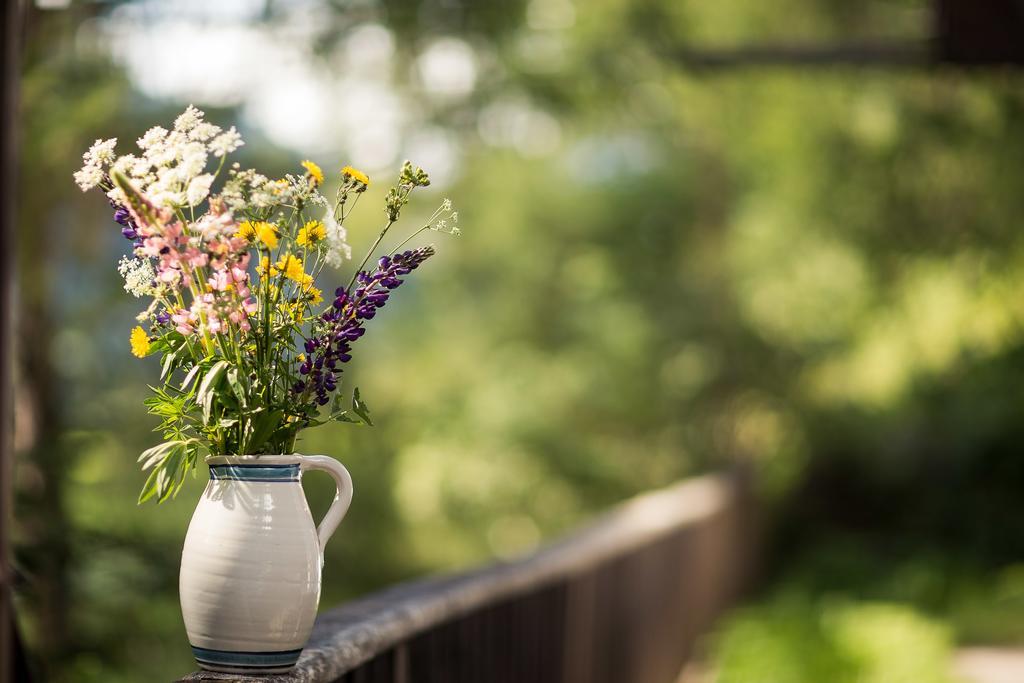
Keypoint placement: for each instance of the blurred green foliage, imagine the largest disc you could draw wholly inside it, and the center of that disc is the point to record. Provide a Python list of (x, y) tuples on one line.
[(662, 271), (796, 640)]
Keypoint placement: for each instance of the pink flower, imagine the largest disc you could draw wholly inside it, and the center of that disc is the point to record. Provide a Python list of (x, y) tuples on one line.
[(169, 275), (213, 322), (229, 251), (183, 321), (196, 258), (152, 246), (220, 281), (173, 232), (217, 222)]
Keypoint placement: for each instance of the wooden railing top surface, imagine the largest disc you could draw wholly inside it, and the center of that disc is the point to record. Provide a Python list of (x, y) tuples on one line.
[(355, 632)]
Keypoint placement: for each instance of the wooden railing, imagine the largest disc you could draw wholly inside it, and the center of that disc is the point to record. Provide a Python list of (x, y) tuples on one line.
[(621, 601)]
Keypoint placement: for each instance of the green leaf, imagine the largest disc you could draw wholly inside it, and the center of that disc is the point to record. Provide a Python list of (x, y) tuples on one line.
[(360, 408), (149, 488), (168, 364), (169, 470), (190, 376), (236, 386), (157, 453), (343, 416), (284, 433), (171, 462), (262, 427), (211, 381)]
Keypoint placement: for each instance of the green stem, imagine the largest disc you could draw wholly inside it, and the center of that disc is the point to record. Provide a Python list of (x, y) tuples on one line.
[(407, 239), (366, 258)]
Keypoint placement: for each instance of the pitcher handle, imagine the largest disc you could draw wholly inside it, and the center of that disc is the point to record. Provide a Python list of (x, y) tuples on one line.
[(342, 499)]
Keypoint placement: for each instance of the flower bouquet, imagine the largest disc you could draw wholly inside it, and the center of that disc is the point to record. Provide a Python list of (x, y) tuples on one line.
[(251, 354)]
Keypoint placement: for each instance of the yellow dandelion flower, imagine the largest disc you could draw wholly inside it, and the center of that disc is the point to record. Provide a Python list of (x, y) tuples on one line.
[(290, 265), (356, 175), (267, 232), (315, 295), (301, 357), (311, 233), (246, 230), (260, 230), (140, 342), (314, 172), (261, 269), (293, 269)]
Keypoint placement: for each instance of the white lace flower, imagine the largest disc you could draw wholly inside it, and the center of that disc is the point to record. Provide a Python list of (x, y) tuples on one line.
[(199, 189), (124, 164), (266, 192), (88, 177), (226, 143), (167, 189), (203, 131), (101, 153), (189, 119), (153, 136), (193, 160), (444, 219), (138, 276), (231, 193), (317, 199), (338, 249), (163, 153), (116, 195), (140, 168)]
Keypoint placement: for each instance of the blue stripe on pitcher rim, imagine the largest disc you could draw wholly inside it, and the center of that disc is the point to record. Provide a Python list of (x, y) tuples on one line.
[(246, 658), (253, 668), (255, 472)]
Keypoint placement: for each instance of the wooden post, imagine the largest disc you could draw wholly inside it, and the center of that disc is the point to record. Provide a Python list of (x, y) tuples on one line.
[(9, 63)]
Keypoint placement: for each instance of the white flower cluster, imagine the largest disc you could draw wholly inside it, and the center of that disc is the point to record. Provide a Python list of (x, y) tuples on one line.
[(138, 275), (249, 188), (246, 189), (445, 219), (171, 171), (338, 249), (96, 160)]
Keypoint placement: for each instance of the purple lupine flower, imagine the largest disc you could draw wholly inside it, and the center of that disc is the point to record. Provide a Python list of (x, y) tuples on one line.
[(344, 321), (128, 228)]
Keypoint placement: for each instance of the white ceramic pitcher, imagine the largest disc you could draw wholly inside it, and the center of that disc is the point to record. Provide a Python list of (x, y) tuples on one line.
[(250, 568)]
